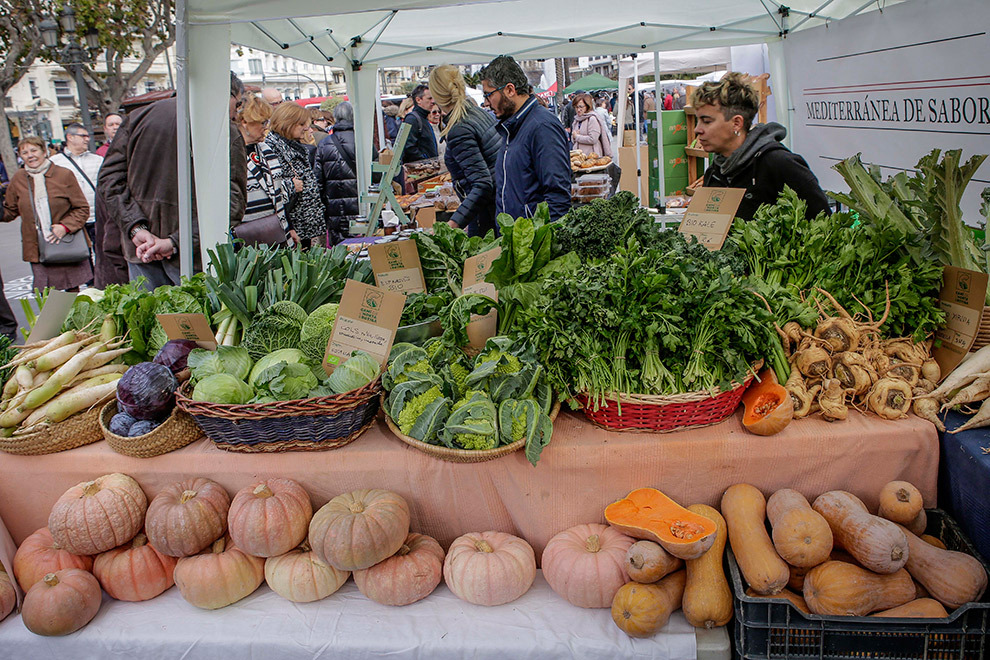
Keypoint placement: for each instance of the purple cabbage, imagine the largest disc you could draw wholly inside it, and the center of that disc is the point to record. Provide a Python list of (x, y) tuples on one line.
[(174, 354), (147, 391)]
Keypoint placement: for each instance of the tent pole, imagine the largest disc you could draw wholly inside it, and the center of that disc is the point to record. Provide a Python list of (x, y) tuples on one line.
[(662, 200), (639, 164), (182, 132), (380, 113), (781, 92)]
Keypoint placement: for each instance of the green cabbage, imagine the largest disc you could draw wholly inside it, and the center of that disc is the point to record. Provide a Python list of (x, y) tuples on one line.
[(222, 388), (359, 370), (289, 355), (233, 360), (286, 381), (277, 326), (316, 331)]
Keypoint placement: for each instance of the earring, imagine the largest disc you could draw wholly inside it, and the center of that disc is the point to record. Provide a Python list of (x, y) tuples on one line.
[(737, 132)]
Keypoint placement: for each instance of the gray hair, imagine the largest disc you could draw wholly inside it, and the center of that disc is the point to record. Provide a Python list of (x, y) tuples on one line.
[(343, 112)]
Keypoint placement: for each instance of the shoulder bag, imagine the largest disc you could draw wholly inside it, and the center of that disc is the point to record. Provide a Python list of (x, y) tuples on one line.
[(72, 248)]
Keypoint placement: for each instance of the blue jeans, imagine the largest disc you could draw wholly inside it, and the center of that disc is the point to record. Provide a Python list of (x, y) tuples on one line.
[(157, 273)]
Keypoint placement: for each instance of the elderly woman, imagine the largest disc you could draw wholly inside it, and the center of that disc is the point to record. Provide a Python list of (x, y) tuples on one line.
[(336, 166), (267, 190), (51, 205), (588, 132), (290, 127)]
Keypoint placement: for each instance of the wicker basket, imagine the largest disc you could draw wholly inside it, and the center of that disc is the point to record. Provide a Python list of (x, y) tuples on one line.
[(665, 414), (174, 433), (316, 424), (78, 430), (983, 332), (460, 455)]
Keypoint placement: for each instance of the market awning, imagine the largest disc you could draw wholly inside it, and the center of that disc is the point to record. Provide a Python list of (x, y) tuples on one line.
[(591, 83)]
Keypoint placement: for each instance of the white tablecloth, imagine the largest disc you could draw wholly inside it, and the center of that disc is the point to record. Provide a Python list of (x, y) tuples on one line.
[(263, 626)]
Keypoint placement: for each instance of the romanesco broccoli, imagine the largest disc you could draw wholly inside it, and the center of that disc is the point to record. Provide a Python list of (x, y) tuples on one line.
[(475, 441), (422, 367), (513, 364), (414, 408), (519, 425), (463, 401), (459, 373)]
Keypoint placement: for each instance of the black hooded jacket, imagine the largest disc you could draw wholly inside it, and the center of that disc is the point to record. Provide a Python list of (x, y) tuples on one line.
[(472, 150), (337, 171)]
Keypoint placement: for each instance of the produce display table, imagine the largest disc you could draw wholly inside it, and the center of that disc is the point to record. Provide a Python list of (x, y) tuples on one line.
[(583, 470), (965, 475)]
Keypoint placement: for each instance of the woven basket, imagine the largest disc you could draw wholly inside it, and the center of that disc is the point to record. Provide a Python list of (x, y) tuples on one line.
[(78, 430), (174, 433), (665, 414), (316, 424), (983, 332), (460, 455)]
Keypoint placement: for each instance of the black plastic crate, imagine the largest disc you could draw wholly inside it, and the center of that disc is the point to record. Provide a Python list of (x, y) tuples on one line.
[(768, 628)]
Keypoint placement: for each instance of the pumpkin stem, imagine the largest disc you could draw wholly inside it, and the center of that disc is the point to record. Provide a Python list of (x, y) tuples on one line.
[(139, 540), (404, 550), (219, 545), (51, 579), (186, 496), (483, 546), (305, 546), (90, 488), (263, 490), (896, 554), (356, 507), (903, 495), (593, 544)]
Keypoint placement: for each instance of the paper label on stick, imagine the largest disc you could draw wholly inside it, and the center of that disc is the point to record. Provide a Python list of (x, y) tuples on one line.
[(426, 218), (367, 319), (51, 317), (710, 214), (396, 266), (480, 328), (962, 298), (193, 327)]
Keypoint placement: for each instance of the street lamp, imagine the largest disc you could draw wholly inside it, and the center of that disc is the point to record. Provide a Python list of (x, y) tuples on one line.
[(74, 55)]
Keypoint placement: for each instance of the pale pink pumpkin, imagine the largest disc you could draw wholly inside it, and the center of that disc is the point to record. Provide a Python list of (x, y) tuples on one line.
[(220, 575), (302, 577), (585, 565), (409, 575), (40, 555), (186, 517), (489, 568), (8, 596), (269, 518), (135, 571), (359, 529), (61, 602), (99, 515)]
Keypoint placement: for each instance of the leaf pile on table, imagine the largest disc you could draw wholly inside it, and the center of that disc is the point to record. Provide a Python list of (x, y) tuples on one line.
[(438, 395)]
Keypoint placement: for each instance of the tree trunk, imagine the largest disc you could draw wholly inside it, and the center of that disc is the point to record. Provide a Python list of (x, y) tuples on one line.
[(6, 145), (559, 66)]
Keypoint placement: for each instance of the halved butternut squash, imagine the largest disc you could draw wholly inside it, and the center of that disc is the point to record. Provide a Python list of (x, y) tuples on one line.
[(768, 406), (646, 513)]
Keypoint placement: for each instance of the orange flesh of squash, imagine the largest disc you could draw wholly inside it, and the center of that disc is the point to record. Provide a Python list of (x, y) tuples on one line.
[(646, 513), (768, 406)]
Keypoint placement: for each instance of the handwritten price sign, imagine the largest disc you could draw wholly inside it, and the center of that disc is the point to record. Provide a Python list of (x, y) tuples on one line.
[(709, 215)]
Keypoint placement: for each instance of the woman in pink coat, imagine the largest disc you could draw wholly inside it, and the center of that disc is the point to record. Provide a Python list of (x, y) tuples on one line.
[(588, 132)]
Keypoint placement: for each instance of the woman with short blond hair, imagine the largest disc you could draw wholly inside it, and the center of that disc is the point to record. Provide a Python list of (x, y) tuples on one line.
[(290, 126)]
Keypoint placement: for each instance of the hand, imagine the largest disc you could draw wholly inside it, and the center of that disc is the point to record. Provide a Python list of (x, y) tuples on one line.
[(58, 233), (297, 183), (453, 224), (295, 238), (161, 249), (142, 238)]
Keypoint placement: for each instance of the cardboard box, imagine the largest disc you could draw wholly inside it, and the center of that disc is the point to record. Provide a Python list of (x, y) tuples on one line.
[(673, 126), (672, 186), (627, 162), (674, 162)]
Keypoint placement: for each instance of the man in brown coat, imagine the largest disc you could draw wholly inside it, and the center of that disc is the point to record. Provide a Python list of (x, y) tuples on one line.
[(139, 183)]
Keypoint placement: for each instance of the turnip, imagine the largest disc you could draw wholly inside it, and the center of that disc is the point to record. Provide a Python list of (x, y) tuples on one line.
[(832, 400), (890, 398)]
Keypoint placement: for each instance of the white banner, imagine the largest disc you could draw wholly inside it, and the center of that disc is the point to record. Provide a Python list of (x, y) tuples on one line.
[(894, 85)]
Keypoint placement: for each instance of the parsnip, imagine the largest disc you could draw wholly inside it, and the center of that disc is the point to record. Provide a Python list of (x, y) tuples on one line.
[(978, 390), (979, 363), (980, 419)]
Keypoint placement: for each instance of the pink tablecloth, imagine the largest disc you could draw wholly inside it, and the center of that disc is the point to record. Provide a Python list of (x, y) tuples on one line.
[(583, 470)]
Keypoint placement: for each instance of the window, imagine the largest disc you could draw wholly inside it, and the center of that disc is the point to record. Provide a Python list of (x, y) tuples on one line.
[(33, 84), (312, 92), (63, 92), (254, 67), (149, 86), (298, 93), (295, 65)]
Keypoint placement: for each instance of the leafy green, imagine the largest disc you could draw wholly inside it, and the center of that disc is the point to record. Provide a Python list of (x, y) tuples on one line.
[(285, 381), (356, 372), (316, 330), (443, 253), (276, 327), (595, 230), (519, 419), (283, 355), (189, 297), (422, 307), (233, 360), (222, 388)]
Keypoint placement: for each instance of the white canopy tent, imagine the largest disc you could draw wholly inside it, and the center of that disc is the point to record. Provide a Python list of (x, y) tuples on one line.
[(406, 32)]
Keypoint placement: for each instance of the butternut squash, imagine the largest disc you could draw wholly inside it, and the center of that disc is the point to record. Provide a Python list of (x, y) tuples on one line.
[(788, 595), (800, 534), (952, 578), (900, 502), (707, 599), (768, 406), (744, 509), (877, 544), (646, 513), (647, 562), (919, 524), (842, 589), (931, 540), (920, 608), (641, 610), (796, 580)]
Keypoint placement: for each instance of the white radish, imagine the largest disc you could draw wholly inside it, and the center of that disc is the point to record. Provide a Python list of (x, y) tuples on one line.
[(40, 378), (24, 377), (106, 357), (13, 416), (979, 363), (60, 377), (79, 399), (99, 371), (978, 390), (10, 388), (39, 348), (980, 419), (58, 357)]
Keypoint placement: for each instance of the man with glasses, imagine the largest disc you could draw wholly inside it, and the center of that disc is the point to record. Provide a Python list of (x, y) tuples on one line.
[(78, 159), (421, 143), (534, 164)]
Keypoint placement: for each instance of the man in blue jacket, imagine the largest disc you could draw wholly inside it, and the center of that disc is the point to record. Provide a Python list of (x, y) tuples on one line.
[(534, 163), (421, 143)]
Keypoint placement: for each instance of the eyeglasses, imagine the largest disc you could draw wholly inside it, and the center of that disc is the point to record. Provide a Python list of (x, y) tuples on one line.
[(79, 135), (497, 89)]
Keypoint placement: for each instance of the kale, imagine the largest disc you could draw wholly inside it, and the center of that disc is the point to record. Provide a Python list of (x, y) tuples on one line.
[(597, 229)]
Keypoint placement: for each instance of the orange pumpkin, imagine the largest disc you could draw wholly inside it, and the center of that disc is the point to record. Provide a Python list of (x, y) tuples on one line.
[(270, 518), (646, 513), (411, 574), (99, 515), (61, 602), (585, 565), (220, 575), (187, 516), (8, 596), (768, 406), (39, 555), (134, 572), (357, 530), (641, 610)]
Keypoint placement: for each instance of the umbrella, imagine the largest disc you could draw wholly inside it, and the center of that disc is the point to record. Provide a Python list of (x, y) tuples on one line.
[(591, 82)]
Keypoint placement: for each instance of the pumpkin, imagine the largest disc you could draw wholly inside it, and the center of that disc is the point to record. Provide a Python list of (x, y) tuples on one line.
[(359, 529), (220, 575), (952, 578), (931, 540), (877, 544), (411, 574), (647, 562), (302, 577), (920, 608), (800, 535), (900, 502), (707, 601), (839, 588), (61, 602), (768, 406), (744, 509), (641, 610), (134, 572), (489, 568), (646, 513), (187, 517), (269, 518), (99, 515), (40, 555), (788, 595), (585, 565), (8, 595)]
